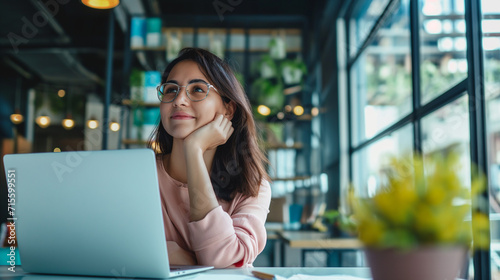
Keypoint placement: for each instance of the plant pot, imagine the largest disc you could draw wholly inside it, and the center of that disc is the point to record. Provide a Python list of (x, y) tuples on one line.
[(429, 263)]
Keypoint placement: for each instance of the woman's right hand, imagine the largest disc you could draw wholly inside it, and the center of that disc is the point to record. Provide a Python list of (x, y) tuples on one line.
[(211, 135), (179, 256)]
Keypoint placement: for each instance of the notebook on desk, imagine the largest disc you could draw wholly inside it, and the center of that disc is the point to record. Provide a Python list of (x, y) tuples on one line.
[(94, 213)]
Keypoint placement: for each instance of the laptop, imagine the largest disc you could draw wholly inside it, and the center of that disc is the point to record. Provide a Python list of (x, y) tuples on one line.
[(95, 213)]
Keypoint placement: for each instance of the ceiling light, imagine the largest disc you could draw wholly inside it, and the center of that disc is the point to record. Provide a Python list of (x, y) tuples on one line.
[(43, 121), (263, 110), (93, 124), (114, 126), (16, 118), (68, 123), (298, 110), (314, 111), (101, 4)]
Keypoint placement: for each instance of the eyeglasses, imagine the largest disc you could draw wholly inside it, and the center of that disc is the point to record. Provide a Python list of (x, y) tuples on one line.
[(196, 91)]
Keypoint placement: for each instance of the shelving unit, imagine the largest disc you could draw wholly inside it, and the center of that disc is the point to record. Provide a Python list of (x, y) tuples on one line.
[(128, 102), (242, 46)]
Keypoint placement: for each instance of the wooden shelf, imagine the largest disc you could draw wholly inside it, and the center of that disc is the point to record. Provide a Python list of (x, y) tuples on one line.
[(129, 102), (282, 146), (296, 178)]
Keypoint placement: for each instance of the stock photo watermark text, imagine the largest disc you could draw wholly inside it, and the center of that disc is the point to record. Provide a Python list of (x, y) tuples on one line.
[(11, 224)]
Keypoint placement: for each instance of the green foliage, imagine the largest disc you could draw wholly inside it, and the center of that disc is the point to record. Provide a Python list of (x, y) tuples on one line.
[(136, 78)]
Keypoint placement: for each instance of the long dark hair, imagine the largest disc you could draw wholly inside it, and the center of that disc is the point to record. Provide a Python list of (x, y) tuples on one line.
[(239, 164)]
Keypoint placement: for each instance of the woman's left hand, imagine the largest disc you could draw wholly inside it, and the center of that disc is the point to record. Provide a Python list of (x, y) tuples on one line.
[(211, 135)]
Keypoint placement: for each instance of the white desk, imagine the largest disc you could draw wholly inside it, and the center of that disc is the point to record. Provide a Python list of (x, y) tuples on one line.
[(282, 271)]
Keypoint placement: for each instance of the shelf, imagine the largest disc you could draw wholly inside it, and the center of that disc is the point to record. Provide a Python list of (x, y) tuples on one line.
[(282, 146), (296, 178), (292, 90), (145, 48), (234, 50), (129, 102), (305, 117)]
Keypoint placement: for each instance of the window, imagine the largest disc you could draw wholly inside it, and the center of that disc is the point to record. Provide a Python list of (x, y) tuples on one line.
[(443, 45), (363, 21), (491, 54), (397, 104), (369, 162), (381, 79)]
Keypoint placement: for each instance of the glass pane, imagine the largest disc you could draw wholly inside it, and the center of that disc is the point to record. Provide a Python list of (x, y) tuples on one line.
[(445, 130), (365, 15), (491, 47), (369, 163), (443, 46), (381, 79)]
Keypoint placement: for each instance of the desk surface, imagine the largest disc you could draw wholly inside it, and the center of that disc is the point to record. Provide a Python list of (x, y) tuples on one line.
[(282, 271), (317, 240)]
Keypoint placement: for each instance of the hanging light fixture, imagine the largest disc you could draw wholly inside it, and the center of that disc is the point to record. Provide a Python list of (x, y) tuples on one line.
[(314, 111), (43, 121), (114, 126), (298, 110), (101, 4), (17, 117), (93, 123), (61, 93), (263, 110), (68, 123)]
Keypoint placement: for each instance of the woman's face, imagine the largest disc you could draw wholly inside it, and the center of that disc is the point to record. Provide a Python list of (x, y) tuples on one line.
[(183, 116)]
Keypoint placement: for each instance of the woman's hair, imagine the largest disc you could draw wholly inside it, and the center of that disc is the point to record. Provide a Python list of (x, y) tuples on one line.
[(239, 164)]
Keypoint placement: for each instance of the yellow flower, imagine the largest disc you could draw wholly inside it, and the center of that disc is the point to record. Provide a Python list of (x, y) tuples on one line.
[(481, 230), (371, 232), (422, 204)]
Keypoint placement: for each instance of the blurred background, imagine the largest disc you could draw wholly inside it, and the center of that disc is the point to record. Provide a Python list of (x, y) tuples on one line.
[(336, 87)]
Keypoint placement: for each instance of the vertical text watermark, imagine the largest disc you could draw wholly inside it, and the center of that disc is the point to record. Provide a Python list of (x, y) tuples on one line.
[(11, 220)]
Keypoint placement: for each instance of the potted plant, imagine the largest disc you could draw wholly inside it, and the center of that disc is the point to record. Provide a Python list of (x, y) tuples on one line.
[(292, 71), (417, 225)]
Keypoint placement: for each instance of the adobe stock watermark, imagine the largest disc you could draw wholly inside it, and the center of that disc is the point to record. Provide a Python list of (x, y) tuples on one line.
[(30, 27), (11, 189), (223, 6)]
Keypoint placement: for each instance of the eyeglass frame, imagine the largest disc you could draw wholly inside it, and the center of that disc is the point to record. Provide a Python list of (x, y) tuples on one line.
[(187, 92)]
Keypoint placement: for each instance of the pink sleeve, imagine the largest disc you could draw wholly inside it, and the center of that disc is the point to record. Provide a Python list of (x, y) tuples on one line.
[(224, 240)]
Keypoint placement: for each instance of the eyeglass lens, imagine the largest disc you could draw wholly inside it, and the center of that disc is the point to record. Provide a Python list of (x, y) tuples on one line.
[(195, 91)]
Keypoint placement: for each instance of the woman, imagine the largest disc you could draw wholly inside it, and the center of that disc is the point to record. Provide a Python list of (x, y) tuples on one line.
[(213, 183)]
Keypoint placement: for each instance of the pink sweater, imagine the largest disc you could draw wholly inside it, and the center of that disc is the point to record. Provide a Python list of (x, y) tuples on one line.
[(232, 234)]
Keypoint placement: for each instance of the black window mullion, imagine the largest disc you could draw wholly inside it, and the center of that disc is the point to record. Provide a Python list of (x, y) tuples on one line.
[(388, 11), (415, 71), (349, 91), (477, 117)]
